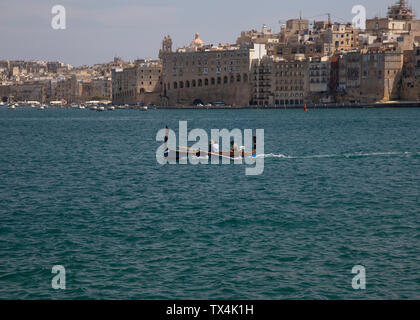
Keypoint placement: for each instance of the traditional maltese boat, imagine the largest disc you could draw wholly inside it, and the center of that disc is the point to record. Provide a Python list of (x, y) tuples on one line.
[(185, 152)]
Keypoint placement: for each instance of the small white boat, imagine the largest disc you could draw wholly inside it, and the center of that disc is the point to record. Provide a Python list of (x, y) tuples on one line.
[(12, 106), (41, 107), (94, 108), (144, 108), (111, 108), (101, 108)]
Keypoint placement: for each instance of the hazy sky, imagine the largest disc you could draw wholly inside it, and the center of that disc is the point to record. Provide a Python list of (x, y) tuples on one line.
[(98, 30)]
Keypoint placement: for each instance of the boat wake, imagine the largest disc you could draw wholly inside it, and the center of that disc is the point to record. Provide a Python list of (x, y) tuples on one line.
[(342, 155), (325, 156)]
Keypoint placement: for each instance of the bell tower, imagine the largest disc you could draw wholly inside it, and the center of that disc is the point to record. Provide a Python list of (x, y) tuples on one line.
[(167, 44)]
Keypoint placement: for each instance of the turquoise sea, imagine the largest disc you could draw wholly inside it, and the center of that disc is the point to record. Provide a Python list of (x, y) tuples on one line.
[(83, 189)]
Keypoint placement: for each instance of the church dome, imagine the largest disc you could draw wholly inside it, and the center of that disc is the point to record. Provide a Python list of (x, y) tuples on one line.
[(197, 42)]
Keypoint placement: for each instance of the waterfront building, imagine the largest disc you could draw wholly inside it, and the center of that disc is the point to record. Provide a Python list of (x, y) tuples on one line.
[(417, 58), (371, 76), (319, 74), (100, 87), (411, 74), (204, 74), (140, 84), (319, 79), (262, 80), (68, 88), (31, 91), (277, 81)]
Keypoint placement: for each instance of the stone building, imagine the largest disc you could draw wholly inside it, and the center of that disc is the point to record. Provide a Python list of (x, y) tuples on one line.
[(349, 73), (309, 49), (141, 84), (320, 39), (399, 26), (280, 82), (411, 74), (262, 81), (343, 37), (293, 29), (68, 88), (206, 74), (264, 36), (97, 87), (105, 69), (56, 67), (319, 74), (417, 58), (31, 91), (371, 76)]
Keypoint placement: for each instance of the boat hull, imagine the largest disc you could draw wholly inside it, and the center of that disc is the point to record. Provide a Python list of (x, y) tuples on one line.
[(178, 155)]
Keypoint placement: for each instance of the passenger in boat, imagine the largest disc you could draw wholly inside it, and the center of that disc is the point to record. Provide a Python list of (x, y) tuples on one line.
[(234, 147), (214, 147)]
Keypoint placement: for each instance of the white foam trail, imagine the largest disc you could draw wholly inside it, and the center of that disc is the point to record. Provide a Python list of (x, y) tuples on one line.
[(343, 155)]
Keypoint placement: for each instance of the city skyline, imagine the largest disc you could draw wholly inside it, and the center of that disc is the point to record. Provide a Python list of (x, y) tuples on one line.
[(96, 33)]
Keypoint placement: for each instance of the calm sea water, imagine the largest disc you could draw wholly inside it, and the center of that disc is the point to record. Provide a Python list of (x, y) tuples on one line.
[(83, 189)]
